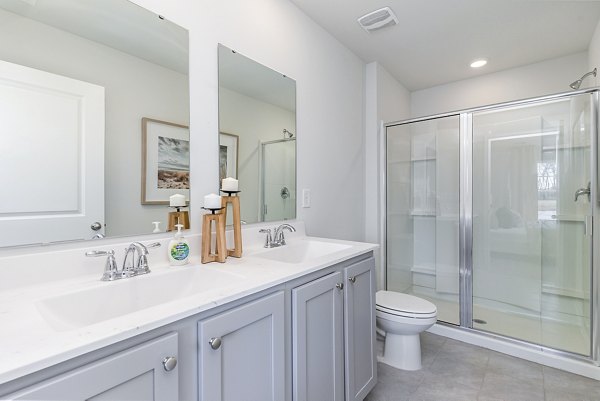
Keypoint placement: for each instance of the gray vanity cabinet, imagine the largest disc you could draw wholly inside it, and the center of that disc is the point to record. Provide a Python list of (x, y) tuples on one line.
[(318, 339), (242, 352), (314, 333), (143, 372), (333, 333), (359, 330)]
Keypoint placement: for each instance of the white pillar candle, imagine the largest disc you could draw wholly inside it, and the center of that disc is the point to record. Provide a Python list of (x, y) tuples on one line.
[(212, 201), (229, 184), (177, 200)]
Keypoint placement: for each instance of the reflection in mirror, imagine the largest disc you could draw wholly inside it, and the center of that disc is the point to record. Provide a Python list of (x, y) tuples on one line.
[(76, 80), (257, 141)]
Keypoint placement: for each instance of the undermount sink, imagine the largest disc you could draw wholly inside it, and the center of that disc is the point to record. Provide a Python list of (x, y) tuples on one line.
[(302, 251), (114, 299)]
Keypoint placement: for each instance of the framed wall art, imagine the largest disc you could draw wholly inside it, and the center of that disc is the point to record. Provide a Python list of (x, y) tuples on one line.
[(228, 156), (165, 161)]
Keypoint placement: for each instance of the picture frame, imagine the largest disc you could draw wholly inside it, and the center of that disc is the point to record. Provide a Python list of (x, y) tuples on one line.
[(165, 161), (228, 155)]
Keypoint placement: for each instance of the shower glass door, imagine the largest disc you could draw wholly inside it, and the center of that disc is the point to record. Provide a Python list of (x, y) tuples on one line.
[(531, 232), (278, 180), (423, 212)]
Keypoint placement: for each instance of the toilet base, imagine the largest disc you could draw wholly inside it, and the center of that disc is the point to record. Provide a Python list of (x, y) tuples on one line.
[(402, 351)]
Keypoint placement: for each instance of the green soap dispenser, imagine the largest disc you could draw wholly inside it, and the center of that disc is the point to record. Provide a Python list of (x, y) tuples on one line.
[(179, 249)]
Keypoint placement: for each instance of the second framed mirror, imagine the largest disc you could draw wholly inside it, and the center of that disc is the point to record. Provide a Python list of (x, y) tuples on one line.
[(257, 136)]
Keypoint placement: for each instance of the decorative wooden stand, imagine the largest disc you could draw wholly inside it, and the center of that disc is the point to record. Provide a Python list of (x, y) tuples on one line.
[(178, 217), (220, 252), (234, 200)]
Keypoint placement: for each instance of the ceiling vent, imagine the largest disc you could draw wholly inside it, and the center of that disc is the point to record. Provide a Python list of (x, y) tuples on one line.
[(378, 19)]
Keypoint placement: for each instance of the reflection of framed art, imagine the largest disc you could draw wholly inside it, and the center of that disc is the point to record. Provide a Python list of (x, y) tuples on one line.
[(165, 161), (228, 156)]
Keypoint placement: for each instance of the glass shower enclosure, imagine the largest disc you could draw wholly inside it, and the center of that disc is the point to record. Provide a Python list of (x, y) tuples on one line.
[(277, 180), (489, 215)]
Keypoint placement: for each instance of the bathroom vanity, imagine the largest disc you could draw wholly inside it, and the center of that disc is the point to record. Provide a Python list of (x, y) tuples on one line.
[(291, 323)]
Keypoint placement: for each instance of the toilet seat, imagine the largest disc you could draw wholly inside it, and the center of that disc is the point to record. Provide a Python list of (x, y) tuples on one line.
[(404, 305)]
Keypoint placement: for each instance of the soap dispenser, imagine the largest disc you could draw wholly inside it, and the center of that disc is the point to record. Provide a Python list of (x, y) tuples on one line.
[(179, 248)]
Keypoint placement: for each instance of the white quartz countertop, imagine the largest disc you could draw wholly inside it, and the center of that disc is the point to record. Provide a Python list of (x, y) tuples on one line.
[(29, 341)]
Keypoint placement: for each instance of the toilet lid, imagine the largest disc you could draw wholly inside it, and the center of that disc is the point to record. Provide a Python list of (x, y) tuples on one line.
[(397, 301)]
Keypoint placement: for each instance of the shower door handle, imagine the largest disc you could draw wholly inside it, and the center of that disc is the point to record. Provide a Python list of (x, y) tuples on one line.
[(584, 191), (589, 225)]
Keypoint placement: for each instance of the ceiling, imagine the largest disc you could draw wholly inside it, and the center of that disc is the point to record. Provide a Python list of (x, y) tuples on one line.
[(436, 40)]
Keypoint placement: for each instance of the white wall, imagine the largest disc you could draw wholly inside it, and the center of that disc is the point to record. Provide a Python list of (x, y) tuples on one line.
[(593, 58), (385, 100), (253, 121), (134, 89), (330, 112), (551, 76)]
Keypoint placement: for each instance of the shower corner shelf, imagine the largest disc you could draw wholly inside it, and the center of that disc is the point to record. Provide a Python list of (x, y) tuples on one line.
[(424, 159)]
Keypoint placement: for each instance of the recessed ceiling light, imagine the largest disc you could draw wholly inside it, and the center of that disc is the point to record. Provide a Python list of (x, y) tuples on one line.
[(479, 63)]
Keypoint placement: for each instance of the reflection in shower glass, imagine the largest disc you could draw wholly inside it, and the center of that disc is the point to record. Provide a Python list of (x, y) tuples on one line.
[(531, 254), (423, 212), (278, 180)]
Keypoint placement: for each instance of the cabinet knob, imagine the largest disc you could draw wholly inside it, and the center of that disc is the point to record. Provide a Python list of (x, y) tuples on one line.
[(339, 286), (352, 279), (215, 342), (169, 363)]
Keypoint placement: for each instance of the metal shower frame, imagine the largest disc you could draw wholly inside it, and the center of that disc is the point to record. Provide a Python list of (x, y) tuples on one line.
[(466, 213)]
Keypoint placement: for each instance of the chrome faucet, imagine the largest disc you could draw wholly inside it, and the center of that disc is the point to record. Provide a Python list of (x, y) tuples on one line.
[(278, 236), (278, 239), (128, 269), (135, 262)]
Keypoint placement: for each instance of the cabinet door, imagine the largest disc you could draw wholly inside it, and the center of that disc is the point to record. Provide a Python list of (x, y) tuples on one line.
[(318, 359), (135, 374), (359, 329), (242, 353)]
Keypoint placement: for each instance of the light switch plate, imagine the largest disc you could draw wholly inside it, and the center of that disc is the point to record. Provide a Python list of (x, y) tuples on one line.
[(306, 197)]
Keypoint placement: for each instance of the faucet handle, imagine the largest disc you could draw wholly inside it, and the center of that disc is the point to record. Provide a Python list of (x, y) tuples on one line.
[(269, 240), (141, 264), (143, 248), (111, 271)]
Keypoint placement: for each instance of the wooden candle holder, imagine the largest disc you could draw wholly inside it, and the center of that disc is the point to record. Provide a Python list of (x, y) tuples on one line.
[(220, 252), (236, 252), (182, 218)]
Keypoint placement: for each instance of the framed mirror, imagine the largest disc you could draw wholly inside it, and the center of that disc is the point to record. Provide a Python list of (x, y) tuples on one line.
[(80, 82), (257, 138)]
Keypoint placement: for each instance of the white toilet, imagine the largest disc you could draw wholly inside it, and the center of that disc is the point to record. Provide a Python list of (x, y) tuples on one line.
[(403, 317)]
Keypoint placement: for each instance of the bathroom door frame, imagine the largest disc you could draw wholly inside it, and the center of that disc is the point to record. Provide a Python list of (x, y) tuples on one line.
[(466, 216)]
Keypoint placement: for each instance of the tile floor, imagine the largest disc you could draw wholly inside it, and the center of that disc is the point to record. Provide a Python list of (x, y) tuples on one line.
[(453, 370)]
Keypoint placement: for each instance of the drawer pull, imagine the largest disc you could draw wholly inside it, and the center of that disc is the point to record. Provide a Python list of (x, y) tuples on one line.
[(339, 286), (352, 279), (215, 342), (169, 363)]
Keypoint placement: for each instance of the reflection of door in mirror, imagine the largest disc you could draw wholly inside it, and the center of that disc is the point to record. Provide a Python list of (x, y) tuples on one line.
[(141, 63), (56, 140), (257, 106), (278, 180)]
